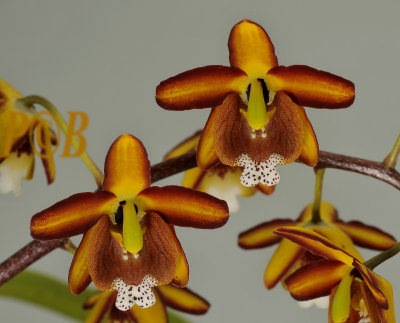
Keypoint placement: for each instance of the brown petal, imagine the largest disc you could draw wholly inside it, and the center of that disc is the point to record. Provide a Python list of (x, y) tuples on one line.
[(181, 276), (202, 87), (158, 257), (309, 149), (72, 216), (250, 49), (311, 87), (79, 277), (267, 190), (232, 137), (315, 243), (206, 154), (184, 207), (372, 280), (183, 299), (262, 235), (367, 236), (316, 279), (101, 308), (126, 169)]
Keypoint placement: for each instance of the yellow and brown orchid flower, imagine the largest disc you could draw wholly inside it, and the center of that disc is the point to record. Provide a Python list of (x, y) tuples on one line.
[(17, 124), (221, 181), (257, 120), (356, 293), (129, 244), (181, 299), (289, 256)]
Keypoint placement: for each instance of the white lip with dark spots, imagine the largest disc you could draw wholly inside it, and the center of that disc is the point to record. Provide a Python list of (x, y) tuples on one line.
[(264, 172), (129, 295)]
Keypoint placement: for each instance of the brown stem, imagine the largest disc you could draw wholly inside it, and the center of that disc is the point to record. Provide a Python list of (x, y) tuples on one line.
[(33, 251), (37, 249), (359, 165)]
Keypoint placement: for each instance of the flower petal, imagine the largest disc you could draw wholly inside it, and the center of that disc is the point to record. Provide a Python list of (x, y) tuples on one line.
[(328, 213), (367, 236), (250, 49), (184, 147), (386, 316), (206, 154), (315, 243), (152, 314), (202, 87), (108, 261), (72, 216), (373, 280), (262, 235), (102, 307), (342, 299), (315, 279), (234, 137), (309, 149), (183, 299), (311, 87), (193, 177), (184, 207), (281, 262), (181, 277), (267, 190), (126, 169), (374, 311), (79, 277)]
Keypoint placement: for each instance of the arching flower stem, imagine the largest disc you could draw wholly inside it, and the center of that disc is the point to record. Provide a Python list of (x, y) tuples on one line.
[(383, 256), (319, 178)]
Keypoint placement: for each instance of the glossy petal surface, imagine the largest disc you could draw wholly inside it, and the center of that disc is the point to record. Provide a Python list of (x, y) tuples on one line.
[(367, 236), (193, 177), (72, 216), (282, 260), (126, 169), (311, 87), (184, 207), (315, 243), (153, 314), (309, 149), (250, 49), (158, 257), (181, 276), (386, 316), (315, 279), (79, 277), (201, 87), (263, 234), (206, 154), (183, 299)]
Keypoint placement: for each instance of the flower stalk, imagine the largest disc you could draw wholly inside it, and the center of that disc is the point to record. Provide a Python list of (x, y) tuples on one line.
[(391, 159), (87, 160), (319, 178), (383, 256)]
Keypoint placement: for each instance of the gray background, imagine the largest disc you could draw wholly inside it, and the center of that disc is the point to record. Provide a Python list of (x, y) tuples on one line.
[(106, 58)]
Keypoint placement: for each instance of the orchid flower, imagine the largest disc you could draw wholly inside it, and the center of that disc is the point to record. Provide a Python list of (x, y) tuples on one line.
[(129, 244), (181, 299), (17, 160), (290, 256), (221, 181), (257, 121), (356, 293)]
